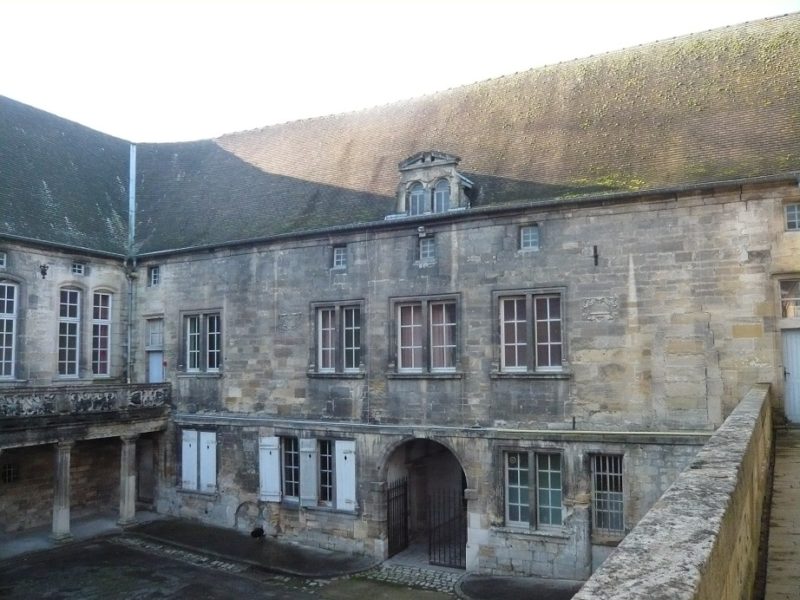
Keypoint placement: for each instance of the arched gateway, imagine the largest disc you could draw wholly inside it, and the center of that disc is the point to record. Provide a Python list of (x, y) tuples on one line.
[(425, 505)]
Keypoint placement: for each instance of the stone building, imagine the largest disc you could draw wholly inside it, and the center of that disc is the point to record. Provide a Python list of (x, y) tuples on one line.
[(498, 320)]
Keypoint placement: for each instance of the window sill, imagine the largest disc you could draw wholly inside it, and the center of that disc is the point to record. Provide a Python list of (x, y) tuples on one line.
[(315, 375), (612, 541), (556, 534), (13, 381), (426, 375), (197, 493), (199, 375), (531, 375), (330, 510)]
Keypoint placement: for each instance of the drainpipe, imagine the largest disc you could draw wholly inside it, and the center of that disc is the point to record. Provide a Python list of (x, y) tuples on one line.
[(130, 267)]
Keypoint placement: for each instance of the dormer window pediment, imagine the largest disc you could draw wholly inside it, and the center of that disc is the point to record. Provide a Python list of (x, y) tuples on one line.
[(428, 158)]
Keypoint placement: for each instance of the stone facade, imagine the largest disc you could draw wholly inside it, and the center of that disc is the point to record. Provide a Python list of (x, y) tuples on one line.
[(665, 333), (321, 327)]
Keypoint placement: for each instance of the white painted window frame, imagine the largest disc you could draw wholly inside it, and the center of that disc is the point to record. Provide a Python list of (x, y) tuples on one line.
[(792, 216), (529, 237), (531, 323), (69, 326), (339, 257), (101, 332), (338, 337), (9, 297)]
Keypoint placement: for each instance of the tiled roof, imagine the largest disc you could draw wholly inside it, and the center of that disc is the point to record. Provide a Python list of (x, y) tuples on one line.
[(705, 107), (719, 105), (61, 182)]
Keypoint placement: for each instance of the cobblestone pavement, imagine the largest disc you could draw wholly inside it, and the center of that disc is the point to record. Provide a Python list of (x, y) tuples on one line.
[(123, 567), (418, 577)]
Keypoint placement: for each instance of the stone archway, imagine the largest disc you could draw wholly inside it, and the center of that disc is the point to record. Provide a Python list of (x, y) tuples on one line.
[(425, 501)]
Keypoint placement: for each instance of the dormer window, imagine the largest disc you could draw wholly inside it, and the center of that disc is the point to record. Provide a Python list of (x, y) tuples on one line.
[(441, 196), (416, 199), (429, 184)]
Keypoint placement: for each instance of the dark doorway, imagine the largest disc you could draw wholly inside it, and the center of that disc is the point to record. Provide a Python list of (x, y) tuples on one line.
[(145, 470), (425, 502)]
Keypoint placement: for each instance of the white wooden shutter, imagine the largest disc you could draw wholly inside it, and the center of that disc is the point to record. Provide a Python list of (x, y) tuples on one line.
[(189, 460), (346, 475), (269, 468), (208, 462), (308, 472)]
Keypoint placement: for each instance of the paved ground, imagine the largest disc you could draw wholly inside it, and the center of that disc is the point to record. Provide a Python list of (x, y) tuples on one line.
[(172, 558), (783, 560)]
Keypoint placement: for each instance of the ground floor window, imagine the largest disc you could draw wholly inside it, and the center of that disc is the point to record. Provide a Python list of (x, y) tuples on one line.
[(533, 489), (607, 500), (312, 472), (199, 461)]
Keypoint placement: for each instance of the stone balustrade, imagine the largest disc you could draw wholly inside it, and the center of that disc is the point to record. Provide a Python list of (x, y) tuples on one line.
[(25, 402)]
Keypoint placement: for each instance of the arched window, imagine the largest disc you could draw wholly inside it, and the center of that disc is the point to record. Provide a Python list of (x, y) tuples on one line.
[(441, 196), (416, 199), (8, 328)]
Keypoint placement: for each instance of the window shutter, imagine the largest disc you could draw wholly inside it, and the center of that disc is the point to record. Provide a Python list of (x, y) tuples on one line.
[(189, 460), (346, 475), (309, 472), (208, 462), (269, 468)]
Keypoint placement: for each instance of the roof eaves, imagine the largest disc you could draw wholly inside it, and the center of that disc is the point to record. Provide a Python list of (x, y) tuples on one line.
[(491, 209), (62, 246)]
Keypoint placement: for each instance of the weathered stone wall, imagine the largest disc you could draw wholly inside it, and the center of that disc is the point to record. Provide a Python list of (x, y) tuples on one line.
[(669, 329), (700, 541), (94, 483), (37, 320), (433, 457)]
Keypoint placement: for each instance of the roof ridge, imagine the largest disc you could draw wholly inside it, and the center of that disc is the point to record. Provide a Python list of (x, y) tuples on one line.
[(509, 76)]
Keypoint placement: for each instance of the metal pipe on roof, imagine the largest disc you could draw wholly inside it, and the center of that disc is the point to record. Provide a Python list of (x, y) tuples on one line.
[(130, 270)]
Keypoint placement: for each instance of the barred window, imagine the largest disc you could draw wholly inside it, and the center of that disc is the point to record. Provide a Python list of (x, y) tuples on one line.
[(607, 499)]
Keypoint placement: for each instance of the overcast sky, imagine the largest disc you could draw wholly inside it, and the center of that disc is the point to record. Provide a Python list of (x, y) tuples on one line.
[(172, 70)]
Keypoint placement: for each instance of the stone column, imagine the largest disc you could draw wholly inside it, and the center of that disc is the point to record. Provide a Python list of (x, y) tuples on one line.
[(61, 486), (127, 480)]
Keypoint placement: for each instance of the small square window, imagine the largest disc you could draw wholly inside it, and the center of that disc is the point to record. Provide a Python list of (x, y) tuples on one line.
[(529, 237), (78, 268), (427, 249), (9, 473), (793, 217), (790, 299), (340, 257), (2, 260), (153, 275)]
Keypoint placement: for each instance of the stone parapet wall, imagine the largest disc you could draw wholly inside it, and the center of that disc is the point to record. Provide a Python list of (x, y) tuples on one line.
[(700, 540)]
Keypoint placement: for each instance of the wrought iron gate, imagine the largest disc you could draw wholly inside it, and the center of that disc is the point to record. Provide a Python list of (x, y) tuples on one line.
[(397, 515), (447, 534)]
